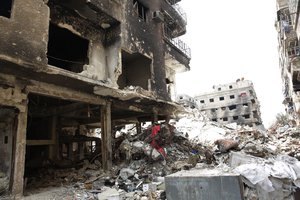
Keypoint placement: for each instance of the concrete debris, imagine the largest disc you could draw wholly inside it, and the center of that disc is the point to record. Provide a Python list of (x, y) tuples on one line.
[(266, 162)]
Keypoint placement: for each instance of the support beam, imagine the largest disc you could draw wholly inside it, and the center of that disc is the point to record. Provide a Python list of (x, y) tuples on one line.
[(39, 142), (138, 128), (19, 155), (106, 136), (53, 149)]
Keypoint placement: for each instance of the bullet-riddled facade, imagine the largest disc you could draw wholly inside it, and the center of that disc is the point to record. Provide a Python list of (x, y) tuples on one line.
[(288, 27), (79, 65), (233, 102)]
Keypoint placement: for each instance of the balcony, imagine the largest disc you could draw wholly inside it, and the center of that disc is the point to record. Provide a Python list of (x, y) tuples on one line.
[(175, 17), (176, 42)]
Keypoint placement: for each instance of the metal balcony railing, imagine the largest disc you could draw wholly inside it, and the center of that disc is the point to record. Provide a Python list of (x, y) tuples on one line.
[(180, 11), (179, 44)]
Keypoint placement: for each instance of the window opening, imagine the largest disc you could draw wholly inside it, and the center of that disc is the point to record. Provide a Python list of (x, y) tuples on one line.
[(66, 50), (221, 98), (235, 117), (211, 100), (231, 96), (232, 107), (140, 10), (5, 8), (202, 101)]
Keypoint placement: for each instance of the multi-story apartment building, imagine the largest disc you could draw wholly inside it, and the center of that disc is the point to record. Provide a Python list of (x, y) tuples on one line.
[(79, 65), (233, 102), (288, 27)]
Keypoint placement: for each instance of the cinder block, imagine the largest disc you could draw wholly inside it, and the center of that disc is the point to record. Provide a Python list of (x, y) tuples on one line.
[(204, 184)]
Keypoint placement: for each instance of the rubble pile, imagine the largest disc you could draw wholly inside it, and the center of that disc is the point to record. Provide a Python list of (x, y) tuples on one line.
[(267, 160)]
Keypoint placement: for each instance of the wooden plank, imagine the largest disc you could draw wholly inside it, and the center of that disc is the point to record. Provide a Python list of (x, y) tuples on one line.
[(39, 142), (106, 136)]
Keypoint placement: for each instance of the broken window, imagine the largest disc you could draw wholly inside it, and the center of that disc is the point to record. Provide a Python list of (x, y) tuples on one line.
[(231, 96), (211, 100), (136, 71), (202, 101), (140, 10), (232, 107), (66, 50), (5, 8), (235, 117), (246, 116), (225, 119), (230, 86), (221, 98)]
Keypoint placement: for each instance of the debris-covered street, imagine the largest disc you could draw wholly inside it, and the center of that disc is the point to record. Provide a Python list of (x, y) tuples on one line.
[(267, 161)]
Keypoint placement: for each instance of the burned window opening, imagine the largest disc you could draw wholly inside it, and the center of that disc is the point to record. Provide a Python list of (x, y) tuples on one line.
[(136, 71), (235, 117), (214, 120), (66, 50), (222, 98), (211, 100), (140, 10), (5, 8), (232, 96), (225, 119), (230, 86), (202, 101)]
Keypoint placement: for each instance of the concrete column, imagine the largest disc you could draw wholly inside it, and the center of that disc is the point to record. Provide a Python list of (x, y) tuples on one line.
[(106, 136), (138, 128), (53, 149), (19, 155)]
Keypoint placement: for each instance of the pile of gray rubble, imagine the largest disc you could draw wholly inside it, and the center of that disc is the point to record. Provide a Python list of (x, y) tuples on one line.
[(266, 160)]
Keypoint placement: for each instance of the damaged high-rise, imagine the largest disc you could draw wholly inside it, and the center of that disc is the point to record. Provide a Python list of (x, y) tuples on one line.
[(69, 67), (287, 25), (233, 102)]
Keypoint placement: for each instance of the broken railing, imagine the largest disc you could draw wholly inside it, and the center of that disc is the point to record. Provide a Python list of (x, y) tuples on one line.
[(179, 44), (180, 11)]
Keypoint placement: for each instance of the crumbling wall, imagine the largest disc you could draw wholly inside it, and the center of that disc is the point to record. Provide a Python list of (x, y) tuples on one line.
[(7, 122), (25, 33), (145, 36)]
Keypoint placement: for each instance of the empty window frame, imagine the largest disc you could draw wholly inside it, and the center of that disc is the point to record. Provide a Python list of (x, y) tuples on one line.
[(202, 101), (5, 8), (235, 117), (140, 10), (230, 86), (231, 96), (246, 116), (222, 98), (232, 107), (211, 100), (225, 119), (67, 50)]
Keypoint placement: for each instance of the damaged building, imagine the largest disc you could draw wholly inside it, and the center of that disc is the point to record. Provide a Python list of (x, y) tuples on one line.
[(68, 68), (233, 102), (287, 26)]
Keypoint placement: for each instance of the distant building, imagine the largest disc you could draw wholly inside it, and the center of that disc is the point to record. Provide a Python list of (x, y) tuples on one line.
[(234, 102), (186, 101)]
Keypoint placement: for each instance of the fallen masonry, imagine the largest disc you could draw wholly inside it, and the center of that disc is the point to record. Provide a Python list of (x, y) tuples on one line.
[(264, 165)]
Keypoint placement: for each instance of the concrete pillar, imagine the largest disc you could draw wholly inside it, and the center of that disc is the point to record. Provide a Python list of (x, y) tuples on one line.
[(138, 128), (106, 136), (19, 155), (53, 149)]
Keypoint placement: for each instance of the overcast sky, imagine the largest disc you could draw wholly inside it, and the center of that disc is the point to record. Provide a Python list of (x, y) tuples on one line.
[(229, 40)]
